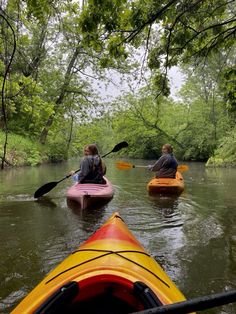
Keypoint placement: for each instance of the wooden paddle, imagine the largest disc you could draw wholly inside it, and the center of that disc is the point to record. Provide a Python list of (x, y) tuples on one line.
[(126, 166), (49, 186)]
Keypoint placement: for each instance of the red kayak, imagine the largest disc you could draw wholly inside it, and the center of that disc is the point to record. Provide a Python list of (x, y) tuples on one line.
[(88, 194)]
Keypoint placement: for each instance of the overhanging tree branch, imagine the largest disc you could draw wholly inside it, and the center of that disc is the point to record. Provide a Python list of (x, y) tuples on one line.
[(204, 30), (213, 42), (153, 18), (154, 125)]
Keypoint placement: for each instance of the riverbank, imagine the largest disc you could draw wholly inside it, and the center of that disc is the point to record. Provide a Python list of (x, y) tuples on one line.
[(225, 154), (221, 162), (22, 151)]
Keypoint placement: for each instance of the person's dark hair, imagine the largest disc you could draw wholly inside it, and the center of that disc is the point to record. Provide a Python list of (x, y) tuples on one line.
[(92, 148), (168, 147)]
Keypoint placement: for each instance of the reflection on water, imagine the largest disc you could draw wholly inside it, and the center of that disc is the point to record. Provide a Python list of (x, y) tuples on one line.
[(46, 201), (192, 236), (88, 217)]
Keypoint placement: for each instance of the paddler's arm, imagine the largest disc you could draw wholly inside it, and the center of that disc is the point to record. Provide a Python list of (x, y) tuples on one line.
[(84, 169), (158, 164)]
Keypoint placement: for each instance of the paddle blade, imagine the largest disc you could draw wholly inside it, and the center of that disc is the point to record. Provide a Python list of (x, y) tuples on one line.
[(120, 146), (124, 165), (44, 189), (182, 168)]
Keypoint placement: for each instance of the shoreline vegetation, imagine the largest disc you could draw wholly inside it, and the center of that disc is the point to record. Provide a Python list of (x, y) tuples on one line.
[(22, 151), (225, 154)]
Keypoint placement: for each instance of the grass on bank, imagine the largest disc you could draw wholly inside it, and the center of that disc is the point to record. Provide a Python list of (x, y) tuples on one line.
[(225, 154), (22, 151)]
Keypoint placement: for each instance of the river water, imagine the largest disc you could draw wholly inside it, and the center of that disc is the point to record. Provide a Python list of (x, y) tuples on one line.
[(193, 236)]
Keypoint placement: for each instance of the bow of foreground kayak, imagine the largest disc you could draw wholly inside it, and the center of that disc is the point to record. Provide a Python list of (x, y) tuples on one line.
[(109, 273), (166, 185), (88, 194)]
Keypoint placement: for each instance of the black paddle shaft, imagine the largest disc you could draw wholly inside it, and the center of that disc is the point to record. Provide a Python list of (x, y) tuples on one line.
[(197, 304), (49, 186)]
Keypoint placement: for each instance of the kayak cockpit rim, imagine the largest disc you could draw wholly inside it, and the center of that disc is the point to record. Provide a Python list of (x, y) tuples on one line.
[(104, 291)]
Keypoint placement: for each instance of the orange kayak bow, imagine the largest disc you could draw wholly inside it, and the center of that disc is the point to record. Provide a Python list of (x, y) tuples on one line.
[(109, 270)]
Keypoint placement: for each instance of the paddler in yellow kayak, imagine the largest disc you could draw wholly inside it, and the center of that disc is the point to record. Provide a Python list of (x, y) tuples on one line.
[(166, 165)]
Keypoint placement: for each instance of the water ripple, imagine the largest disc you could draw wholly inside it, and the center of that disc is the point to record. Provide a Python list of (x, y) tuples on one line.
[(12, 299)]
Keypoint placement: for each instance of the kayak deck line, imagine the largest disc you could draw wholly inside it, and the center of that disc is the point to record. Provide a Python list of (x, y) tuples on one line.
[(109, 252), (100, 250), (118, 216), (94, 188)]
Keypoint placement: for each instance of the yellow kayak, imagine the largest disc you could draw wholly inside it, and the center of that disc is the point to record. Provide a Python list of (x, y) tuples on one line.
[(167, 185), (111, 270)]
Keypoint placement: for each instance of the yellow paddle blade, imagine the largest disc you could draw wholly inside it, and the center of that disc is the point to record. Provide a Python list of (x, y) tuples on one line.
[(182, 168), (124, 165)]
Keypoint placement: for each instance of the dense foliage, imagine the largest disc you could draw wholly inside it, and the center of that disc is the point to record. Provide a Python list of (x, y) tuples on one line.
[(225, 154), (65, 49), (171, 30), (22, 151)]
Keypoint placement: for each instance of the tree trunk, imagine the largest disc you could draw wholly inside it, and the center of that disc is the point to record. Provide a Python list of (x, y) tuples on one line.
[(70, 133), (61, 97), (4, 111)]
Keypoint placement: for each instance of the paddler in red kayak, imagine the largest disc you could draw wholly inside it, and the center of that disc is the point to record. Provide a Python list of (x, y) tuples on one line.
[(166, 165), (92, 168)]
